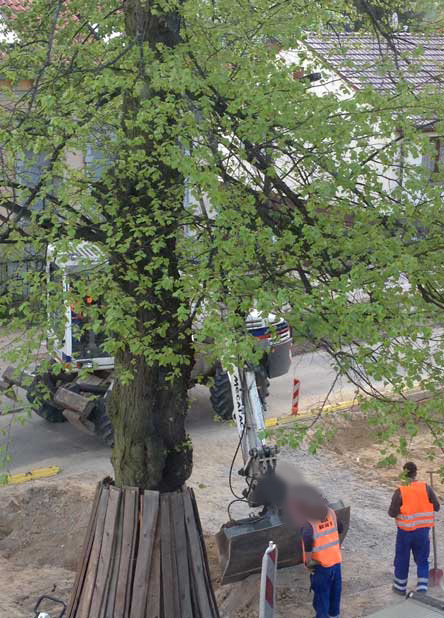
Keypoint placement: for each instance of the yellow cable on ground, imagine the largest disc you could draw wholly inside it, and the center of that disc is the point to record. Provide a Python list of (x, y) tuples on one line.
[(38, 473)]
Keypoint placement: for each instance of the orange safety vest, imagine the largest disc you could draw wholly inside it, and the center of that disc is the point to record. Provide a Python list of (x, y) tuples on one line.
[(326, 543), (416, 510)]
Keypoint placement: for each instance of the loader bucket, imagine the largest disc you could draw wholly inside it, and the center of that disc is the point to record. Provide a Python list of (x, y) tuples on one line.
[(242, 543)]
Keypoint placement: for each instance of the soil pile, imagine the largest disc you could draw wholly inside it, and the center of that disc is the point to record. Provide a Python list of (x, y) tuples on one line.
[(41, 536), (44, 524)]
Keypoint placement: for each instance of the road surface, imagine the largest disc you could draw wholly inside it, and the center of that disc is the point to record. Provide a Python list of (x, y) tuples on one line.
[(34, 443)]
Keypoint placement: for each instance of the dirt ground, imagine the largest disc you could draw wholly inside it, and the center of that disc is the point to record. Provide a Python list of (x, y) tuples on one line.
[(355, 441), (42, 525)]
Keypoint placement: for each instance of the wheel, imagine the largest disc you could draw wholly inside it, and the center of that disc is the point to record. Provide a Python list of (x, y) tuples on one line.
[(102, 423), (42, 387), (222, 398), (220, 395), (263, 383)]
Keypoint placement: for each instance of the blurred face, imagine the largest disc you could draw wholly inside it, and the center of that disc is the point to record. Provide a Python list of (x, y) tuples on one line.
[(305, 502)]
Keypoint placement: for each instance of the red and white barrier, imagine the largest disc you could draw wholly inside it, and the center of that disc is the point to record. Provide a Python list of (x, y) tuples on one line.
[(268, 581), (295, 399)]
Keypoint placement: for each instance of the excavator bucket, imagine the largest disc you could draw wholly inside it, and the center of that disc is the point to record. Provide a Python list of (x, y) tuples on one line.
[(242, 543)]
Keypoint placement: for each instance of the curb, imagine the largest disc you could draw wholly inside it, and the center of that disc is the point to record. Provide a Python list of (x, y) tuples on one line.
[(335, 407), (310, 413), (38, 473)]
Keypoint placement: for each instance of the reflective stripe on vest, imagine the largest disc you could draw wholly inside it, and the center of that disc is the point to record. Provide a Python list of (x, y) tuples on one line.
[(416, 509), (326, 544)]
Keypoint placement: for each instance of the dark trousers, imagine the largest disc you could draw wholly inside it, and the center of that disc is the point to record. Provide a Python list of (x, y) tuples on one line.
[(326, 583), (417, 542)]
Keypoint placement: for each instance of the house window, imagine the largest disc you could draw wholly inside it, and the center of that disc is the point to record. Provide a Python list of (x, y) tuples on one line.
[(99, 155), (95, 160), (29, 170), (433, 160)]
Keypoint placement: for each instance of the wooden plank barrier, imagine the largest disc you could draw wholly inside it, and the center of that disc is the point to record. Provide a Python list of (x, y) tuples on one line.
[(144, 557)]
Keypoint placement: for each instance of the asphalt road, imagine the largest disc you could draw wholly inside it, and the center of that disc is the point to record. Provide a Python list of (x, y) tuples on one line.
[(34, 443)]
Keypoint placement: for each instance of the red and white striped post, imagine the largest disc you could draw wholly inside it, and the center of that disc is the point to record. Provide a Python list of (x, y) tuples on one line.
[(268, 580), (295, 399)]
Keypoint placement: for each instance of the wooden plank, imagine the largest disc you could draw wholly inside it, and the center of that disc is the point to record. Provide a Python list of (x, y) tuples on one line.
[(108, 607), (132, 563), (92, 384), (90, 579), (154, 580), (106, 554), (68, 399), (174, 569), (129, 534), (17, 378), (7, 390), (204, 553), (94, 389), (80, 423), (90, 380), (82, 568), (181, 553), (197, 564), (170, 585), (150, 510), (194, 594)]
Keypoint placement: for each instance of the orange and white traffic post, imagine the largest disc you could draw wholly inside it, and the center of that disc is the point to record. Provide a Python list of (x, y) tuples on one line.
[(295, 399)]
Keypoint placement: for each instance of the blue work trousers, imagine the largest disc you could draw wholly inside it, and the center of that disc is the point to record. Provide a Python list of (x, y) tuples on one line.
[(417, 542), (326, 583)]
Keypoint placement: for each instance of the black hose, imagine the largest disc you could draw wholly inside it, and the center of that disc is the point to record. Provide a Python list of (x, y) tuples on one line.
[(235, 455), (232, 465), (231, 503)]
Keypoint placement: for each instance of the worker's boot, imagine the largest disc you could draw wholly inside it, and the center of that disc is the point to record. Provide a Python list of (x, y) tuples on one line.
[(422, 585), (403, 593)]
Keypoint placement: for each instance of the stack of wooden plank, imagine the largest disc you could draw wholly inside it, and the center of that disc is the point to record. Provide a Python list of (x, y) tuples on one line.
[(78, 401), (144, 557), (75, 400)]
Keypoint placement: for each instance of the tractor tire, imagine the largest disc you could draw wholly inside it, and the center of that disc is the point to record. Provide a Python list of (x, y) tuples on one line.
[(220, 395), (35, 395), (263, 383), (220, 392), (102, 423)]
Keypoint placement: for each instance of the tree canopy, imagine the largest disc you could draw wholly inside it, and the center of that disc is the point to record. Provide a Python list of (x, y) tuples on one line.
[(180, 139)]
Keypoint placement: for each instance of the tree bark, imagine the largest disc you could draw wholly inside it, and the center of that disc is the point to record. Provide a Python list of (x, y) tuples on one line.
[(151, 447)]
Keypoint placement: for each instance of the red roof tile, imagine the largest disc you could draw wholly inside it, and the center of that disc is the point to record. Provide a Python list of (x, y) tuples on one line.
[(15, 5)]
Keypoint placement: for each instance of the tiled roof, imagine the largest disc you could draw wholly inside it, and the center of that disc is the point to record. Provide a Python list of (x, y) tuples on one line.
[(15, 5), (359, 59)]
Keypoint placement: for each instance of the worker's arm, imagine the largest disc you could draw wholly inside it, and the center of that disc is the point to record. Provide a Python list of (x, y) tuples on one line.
[(433, 499), (395, 506), (307, 539)]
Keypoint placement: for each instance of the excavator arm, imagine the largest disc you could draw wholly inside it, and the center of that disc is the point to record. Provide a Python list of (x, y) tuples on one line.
[(248, 412), (241, 543)]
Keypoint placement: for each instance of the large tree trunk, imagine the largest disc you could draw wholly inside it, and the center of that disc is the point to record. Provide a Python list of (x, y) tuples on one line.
[(151, 447)]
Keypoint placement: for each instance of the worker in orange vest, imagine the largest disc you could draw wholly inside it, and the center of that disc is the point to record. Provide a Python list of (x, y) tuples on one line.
[(413, 506), (322, 556)]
